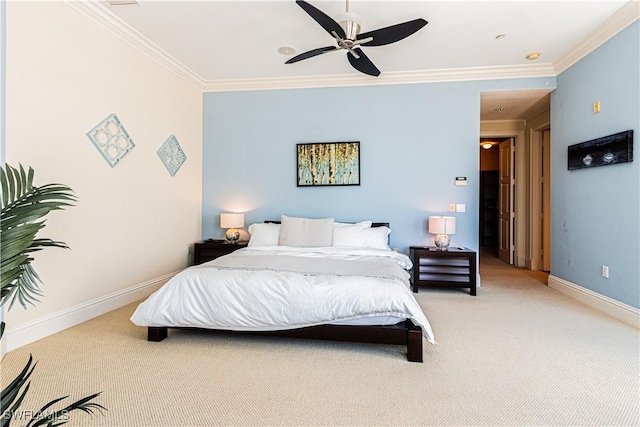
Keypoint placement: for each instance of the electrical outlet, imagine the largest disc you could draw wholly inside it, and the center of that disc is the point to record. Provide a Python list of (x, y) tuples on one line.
[(461, 207), (605, 271), (189, 250)]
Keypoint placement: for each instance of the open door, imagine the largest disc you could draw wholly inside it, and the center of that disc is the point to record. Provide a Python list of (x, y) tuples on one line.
[(506, 212)]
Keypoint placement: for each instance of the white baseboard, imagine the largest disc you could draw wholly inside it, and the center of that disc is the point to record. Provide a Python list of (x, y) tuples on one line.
[(617, 309), (47, 325)]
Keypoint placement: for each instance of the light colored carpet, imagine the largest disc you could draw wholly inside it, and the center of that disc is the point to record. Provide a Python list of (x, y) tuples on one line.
[(519, 353)]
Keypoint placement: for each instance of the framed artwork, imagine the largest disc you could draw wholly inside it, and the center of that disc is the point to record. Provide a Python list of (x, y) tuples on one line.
[(328, 164), (608, 150)]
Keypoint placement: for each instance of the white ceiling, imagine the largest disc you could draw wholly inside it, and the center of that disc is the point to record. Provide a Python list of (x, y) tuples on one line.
[(220, 40), (233, 45), (513, 104)]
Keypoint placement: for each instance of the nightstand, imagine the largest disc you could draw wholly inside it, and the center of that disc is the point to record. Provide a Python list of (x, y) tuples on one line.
[(210, 250), (454, 268)]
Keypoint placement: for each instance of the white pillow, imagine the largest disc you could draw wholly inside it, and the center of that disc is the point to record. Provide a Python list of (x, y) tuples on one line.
[(304, 232), (374, 238), (347, 234), (265, 234)]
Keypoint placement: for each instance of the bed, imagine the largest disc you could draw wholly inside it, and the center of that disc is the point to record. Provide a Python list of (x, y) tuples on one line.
[(306, 278)]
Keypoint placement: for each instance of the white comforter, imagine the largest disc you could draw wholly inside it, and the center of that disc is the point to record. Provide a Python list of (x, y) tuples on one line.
[(277, 288)]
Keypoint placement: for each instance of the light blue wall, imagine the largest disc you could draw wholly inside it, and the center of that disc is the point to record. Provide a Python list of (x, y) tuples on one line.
[(414, 140), (595, 213)]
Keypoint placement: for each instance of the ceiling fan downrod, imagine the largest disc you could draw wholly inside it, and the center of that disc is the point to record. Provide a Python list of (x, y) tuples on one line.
[(350, 23)]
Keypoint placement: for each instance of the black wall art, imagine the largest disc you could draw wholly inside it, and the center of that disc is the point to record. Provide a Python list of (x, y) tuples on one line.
[(608, 150)]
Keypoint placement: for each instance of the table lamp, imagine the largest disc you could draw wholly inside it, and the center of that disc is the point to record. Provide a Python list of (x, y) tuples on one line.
[(232, 221), (442, 226)]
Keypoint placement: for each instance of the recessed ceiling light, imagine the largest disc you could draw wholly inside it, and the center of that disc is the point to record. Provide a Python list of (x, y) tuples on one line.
[(533, 56), (123, 3), (500, 36), (286, 50)]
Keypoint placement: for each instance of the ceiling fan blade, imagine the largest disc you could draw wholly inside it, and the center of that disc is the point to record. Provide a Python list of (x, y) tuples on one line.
[(321, 18), (393, 33), (311, 54), (363, 64)]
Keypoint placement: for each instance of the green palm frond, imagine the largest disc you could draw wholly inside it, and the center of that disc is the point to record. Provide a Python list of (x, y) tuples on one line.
[(61, 416), (14, 393), (24, 207), (11, 395)]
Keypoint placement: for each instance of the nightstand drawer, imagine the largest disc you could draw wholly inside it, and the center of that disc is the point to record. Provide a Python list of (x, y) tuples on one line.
[(440, 261), (438, 277)]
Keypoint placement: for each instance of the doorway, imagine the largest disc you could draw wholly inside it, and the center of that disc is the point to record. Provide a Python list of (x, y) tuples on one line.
[(523, 119), (489, 192), (497, 189)]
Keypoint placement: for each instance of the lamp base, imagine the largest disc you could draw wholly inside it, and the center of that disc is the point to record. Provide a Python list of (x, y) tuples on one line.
[(232, 235), (442, 242)]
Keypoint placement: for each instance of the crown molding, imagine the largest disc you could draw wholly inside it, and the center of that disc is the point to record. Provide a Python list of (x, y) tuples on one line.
[(99, 14), (625, 16), (402, 77)]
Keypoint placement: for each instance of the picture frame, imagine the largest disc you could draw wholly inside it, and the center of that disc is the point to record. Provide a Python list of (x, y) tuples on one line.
[(322, 164), (604, 151)]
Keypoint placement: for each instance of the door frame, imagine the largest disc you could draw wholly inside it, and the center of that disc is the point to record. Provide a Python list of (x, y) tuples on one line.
[(514, 129), (535, 166)]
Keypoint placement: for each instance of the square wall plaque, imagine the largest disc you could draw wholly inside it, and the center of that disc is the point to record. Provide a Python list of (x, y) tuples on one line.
[(111, 139), (172, 155)]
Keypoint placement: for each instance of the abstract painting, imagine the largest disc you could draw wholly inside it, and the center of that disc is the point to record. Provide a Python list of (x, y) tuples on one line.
[(328, 164)]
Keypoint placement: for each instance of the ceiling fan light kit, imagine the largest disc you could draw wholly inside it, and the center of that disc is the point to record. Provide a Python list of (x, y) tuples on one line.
[(346, 33)]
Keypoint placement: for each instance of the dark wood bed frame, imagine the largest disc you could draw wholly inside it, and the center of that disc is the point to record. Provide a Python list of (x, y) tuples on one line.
[(405, 333)]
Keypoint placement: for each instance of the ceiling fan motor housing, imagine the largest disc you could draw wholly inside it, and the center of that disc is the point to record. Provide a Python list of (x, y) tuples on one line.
[(350, 23)]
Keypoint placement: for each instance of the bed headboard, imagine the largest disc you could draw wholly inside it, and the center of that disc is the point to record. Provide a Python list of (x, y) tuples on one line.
[(374, 224)]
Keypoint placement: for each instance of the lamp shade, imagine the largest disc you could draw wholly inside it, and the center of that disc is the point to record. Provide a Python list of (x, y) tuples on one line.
[(442, 225), (231, 220)]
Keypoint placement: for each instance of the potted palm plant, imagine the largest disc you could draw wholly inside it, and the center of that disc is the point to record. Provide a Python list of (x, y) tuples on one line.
[(24, 207)]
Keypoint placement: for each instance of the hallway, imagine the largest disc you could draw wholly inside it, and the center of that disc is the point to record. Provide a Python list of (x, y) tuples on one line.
[(493, 270)]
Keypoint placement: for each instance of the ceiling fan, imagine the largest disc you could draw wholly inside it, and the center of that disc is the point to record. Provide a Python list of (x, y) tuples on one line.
[(346, 32)]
